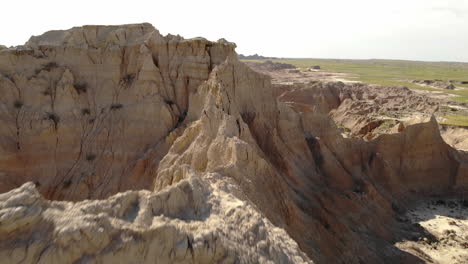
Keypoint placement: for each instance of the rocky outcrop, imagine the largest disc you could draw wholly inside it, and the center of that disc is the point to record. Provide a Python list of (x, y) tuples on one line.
[(254, 57), (190, 222), (234, 175), (300, 172), (436, 84), (362, 110), (86, 112), (271, 66), (455, 136)]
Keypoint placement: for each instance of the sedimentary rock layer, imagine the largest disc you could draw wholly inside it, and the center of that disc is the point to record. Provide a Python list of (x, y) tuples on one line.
[(233, 174), (86, 112)]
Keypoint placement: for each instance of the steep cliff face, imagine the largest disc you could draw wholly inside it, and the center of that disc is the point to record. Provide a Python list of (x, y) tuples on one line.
[(97, 110), (290, 159), (85, 112)]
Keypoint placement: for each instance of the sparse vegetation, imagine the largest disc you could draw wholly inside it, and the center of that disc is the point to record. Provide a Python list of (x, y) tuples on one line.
[(127, 79), (18, 104), (455, 120), (90, 156), (387, 124), (168, 102), (67, 184), (80, 87), (343, 128), (46, 67), (53, 117), (49, 66), (85, 111), (358, 189), (181, 118), (116, 106)]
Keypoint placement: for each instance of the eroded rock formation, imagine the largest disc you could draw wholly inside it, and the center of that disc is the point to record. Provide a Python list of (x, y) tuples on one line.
[(190, 222), (368, 111), (86, 112), (234, 175)]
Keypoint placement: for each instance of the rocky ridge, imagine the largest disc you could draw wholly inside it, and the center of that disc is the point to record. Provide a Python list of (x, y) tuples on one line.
[(368, 111), (97, 110)]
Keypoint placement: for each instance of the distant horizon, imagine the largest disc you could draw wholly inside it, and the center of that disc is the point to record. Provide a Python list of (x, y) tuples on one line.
[(277, 57), (257, 53), (417, 30), (351, 59)]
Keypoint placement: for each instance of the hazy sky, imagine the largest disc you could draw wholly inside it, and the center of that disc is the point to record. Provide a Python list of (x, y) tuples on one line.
[(359, 29)]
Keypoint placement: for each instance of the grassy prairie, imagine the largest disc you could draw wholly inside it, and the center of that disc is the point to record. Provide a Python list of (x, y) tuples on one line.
[(457, 120), (393, 72)]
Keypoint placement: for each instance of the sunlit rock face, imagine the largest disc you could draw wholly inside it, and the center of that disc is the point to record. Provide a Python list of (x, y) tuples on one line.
[(86, 112), (232, 174)]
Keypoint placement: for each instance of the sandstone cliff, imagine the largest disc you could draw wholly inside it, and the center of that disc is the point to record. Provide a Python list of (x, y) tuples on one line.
[(234, 175), (86, 112)]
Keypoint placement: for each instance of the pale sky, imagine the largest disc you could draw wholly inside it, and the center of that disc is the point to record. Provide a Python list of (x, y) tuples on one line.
[(434, 30)]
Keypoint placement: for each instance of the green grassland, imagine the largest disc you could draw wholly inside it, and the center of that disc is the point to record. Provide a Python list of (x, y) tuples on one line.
[(457, 120), (393, 72)]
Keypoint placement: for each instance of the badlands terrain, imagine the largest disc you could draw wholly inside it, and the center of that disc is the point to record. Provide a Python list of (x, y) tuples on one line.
[(120, 145), (375, 109)]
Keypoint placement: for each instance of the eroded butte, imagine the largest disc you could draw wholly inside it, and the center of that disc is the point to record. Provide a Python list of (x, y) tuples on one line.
[(120, 145)]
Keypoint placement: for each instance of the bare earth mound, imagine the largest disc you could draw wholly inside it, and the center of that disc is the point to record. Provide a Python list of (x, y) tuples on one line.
[(94, 115)]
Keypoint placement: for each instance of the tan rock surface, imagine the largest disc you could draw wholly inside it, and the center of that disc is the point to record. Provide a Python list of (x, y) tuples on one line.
[(456, 137), (85, 112), (363, 110), (227, 162), (446, 239), (193, 221)]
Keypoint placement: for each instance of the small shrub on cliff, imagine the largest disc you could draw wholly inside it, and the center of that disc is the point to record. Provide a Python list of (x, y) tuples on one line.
[(53, 117), (90, 156), (116, 106), (168, 102), (359, 187), (182, 117), (128, 79), (343, 128), (85, 111), (80, 87), (67, 184), (18, 104), (49, 66), (46, 92)]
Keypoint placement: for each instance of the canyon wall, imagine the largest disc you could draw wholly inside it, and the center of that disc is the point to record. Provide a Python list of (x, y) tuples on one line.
[(232, 174)]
